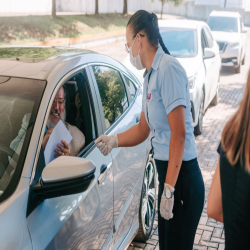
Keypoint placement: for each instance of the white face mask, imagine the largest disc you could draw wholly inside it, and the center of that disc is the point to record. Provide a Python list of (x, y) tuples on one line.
[(135, 60)]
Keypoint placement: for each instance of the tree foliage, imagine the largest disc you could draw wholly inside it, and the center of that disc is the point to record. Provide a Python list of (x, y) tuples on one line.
[(112, 93)]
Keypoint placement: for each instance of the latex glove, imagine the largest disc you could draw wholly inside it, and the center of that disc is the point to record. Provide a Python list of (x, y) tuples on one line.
[(166, 206), (106, 143)]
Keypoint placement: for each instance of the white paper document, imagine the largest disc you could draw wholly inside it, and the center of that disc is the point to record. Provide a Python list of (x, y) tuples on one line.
[(59, 133)]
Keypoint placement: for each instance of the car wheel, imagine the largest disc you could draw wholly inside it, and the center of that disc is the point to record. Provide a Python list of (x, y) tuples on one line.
[(148, 202), (215, 100), (198, 127)]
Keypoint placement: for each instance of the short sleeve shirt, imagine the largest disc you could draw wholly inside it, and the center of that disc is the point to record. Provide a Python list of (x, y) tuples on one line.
[(165, 87)]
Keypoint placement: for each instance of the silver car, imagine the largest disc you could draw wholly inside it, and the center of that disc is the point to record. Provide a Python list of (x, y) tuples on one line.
[(88, 201)]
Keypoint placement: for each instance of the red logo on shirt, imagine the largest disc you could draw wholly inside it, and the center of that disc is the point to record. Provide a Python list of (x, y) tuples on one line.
[(149, 97)]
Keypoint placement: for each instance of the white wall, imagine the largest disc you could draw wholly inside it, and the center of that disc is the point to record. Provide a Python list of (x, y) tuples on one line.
[(88, 6), (25, 6)]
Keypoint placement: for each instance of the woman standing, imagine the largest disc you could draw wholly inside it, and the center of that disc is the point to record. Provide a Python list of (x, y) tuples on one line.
[(166, 113), (229, 197)]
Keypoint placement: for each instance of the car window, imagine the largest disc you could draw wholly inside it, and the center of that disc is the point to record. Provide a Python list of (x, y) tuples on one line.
[(180, 42), (224, 24), (203, 41), (19, 102), (73, 107), (112, 91), (131, 87), (209, 37), (205, 38)]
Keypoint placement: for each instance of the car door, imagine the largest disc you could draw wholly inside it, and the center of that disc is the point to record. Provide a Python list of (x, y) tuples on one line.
[(128, 163), (84, 220), (216, 63), (208, 62)]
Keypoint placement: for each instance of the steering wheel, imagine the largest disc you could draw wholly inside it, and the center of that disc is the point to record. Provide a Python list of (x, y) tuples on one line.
[(10, 152)]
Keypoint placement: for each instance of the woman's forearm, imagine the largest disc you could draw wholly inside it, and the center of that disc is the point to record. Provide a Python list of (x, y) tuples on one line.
[(132, 137), (176, 151), (135, 135)]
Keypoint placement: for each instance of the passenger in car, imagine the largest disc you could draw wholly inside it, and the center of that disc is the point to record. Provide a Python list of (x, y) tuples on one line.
[(57, 113)]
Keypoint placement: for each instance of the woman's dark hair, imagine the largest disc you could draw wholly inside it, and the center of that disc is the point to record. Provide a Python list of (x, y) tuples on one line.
[(142, 20)]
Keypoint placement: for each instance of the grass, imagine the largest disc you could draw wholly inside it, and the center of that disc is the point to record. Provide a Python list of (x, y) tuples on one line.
[(27, 29)]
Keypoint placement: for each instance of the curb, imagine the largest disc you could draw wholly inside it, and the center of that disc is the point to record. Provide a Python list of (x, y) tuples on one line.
[(86, 41)]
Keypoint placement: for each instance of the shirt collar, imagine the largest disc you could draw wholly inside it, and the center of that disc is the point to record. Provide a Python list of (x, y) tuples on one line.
[(157, 60)]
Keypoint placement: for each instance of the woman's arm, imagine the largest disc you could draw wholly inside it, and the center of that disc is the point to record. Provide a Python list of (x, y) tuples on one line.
[(176, 119), (214, 205), (135, 135)]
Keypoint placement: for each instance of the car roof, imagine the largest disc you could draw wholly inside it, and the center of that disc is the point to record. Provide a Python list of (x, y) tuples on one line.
[(181, 23), (225, 13), (38, 62)]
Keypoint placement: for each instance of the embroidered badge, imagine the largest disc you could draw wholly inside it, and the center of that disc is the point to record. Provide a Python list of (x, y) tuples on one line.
[(149, 97)]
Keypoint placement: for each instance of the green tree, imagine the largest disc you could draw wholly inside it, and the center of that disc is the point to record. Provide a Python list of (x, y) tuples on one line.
[(53, 8), (96, 7), (176, 3), (125, 7), (112, 93)]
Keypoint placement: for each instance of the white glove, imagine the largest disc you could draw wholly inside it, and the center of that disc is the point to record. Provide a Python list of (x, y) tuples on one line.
[(166, 206), (106, 143)]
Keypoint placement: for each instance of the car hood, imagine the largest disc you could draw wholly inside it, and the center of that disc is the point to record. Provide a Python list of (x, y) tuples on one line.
[(190, 64), (226, 36)]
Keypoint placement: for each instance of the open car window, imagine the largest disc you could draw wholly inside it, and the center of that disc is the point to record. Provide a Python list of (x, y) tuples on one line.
[(19, 102)]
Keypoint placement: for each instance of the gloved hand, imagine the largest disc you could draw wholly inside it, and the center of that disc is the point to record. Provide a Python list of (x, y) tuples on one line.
[(167, 202), (106, 143)]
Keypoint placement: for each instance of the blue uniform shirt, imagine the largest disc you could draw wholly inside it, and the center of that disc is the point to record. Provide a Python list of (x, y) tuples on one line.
[(166, 89)]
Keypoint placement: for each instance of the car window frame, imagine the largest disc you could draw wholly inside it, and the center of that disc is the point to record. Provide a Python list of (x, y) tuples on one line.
[(208, 36), (57, 86), (127, 89), (104, 129), (204, 37)]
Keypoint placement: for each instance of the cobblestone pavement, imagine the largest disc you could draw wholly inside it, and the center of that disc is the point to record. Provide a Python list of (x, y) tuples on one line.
[(210, 234)]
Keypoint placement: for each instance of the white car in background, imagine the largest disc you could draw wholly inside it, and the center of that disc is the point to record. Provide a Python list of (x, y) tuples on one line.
[(192, 43), (229, 32)]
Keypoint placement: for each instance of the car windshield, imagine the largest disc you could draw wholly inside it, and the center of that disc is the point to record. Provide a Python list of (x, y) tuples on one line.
[(19, 101), (224, 24), (180, 42)]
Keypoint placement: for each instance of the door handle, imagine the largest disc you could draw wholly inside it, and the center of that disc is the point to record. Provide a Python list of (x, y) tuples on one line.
[(105, 171)]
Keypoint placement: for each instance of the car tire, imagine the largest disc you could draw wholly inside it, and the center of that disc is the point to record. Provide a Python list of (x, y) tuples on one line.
[(238, 69), (147, 202), (215, 100), (198, 127)]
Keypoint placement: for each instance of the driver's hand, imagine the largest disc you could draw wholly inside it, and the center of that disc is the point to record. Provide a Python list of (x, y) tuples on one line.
[(63, 149), (46, 137)]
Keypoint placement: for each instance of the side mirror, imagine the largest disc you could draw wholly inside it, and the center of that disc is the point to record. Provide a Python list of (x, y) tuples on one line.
[(244, 30), (65, 175), (208, 53)]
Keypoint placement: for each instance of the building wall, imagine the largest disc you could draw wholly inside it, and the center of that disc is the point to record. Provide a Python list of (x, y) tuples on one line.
[(197, 9), (25, 6)]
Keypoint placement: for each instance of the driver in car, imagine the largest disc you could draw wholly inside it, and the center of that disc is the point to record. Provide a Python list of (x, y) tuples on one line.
[(58, 113)]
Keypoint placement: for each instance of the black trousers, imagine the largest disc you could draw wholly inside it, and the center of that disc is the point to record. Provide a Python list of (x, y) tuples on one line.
[(178, 233)]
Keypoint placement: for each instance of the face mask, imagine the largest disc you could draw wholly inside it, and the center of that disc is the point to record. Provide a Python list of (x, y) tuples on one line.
[(135, 60)]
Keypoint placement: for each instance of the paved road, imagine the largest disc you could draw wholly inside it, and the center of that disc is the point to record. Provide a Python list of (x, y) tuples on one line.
[(210, 234)]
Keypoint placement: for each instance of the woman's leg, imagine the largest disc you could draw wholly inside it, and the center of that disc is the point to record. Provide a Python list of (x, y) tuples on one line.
[(169, 231), (178, 233), (192, 195)]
